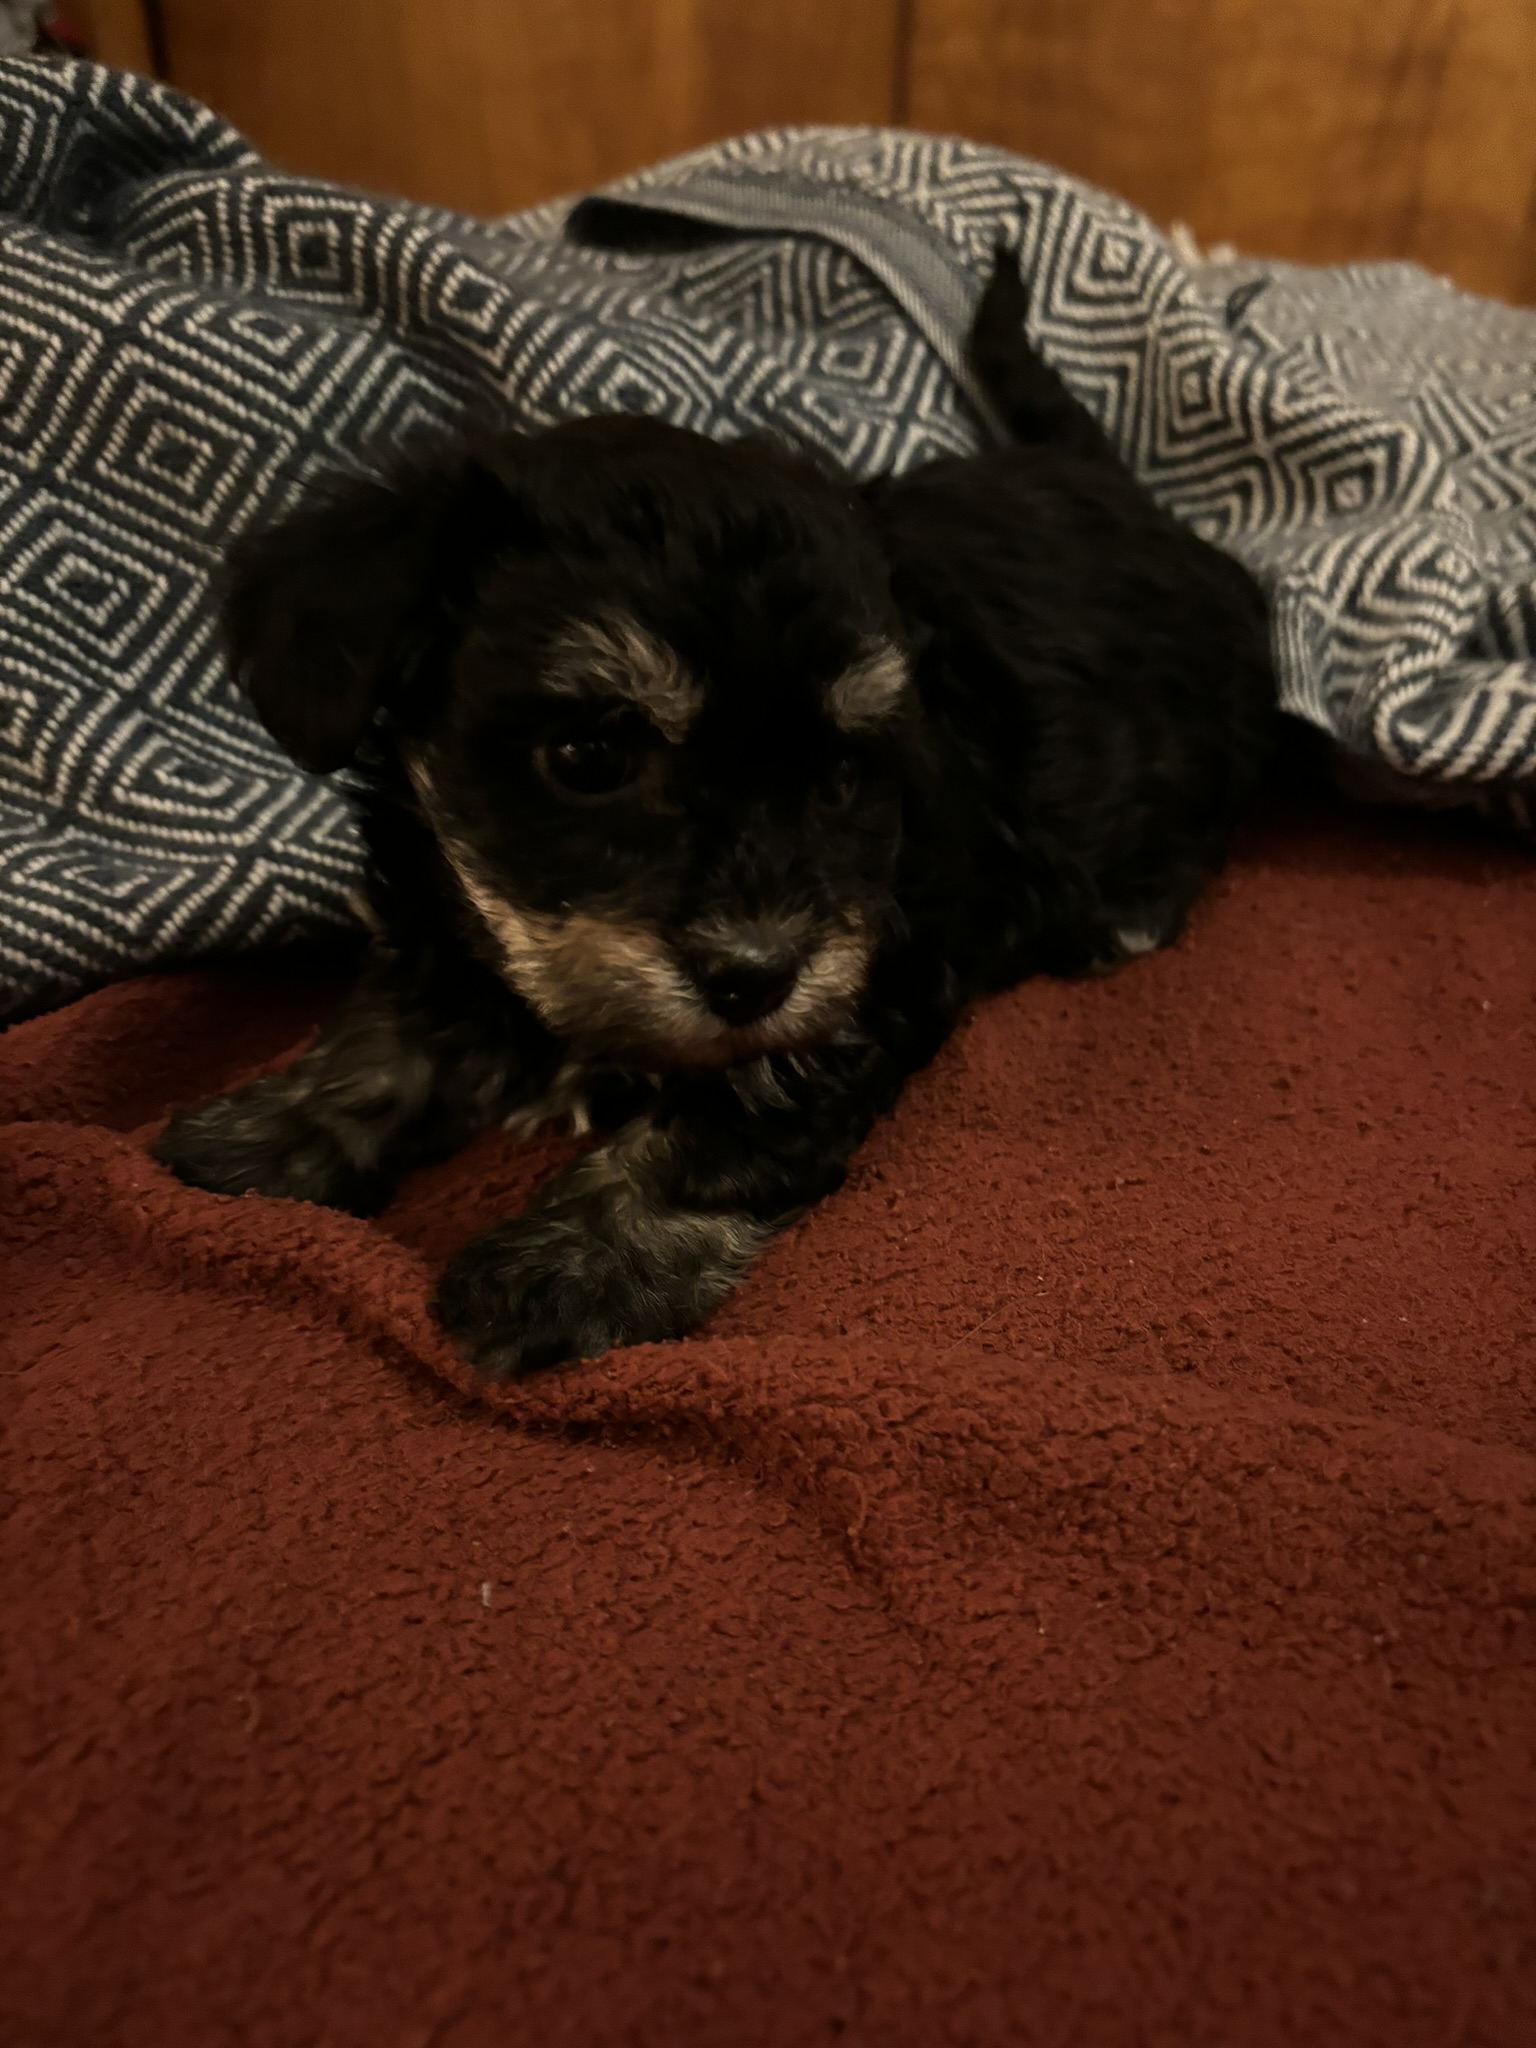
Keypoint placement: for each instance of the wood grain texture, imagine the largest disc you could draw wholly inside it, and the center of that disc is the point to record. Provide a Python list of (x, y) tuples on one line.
[(1316, 129), (116, 32), (488, 105)]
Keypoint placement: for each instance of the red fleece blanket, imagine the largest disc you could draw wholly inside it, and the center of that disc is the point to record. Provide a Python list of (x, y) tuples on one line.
[(1080, 1591)]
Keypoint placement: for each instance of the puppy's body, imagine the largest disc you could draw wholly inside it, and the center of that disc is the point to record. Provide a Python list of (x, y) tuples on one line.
[(702, 790)]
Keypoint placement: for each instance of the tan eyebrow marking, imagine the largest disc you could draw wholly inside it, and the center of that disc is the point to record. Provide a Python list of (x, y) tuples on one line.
[(870, 692), (612, 655)]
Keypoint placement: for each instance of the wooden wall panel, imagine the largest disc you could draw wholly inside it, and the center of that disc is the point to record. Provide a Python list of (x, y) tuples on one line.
[(1318, 129), (115, 32), (488, 105)]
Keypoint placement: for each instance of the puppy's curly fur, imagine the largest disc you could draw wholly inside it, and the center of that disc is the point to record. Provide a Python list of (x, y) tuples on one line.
[(701, 789)]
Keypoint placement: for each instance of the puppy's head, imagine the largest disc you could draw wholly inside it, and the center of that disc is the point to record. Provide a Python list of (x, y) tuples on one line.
[(650, 696)]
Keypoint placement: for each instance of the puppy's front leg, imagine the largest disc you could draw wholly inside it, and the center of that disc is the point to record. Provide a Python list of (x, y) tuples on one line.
[(411, 1065), (642, 1237)]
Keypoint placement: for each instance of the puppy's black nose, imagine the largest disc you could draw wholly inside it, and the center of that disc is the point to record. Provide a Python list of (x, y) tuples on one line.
[(742, 991)]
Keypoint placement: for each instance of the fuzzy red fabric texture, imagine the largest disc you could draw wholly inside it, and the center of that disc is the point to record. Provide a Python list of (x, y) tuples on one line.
[(1081, 1591)]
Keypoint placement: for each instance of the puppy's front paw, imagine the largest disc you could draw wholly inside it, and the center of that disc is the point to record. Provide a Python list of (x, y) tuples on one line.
[(595, 1264), (263, 1141)]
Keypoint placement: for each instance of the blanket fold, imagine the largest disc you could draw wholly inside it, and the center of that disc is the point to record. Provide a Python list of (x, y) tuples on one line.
[(1081, 1589)]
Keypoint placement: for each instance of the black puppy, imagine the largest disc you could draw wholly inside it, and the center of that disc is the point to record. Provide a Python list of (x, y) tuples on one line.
[(700, 790)]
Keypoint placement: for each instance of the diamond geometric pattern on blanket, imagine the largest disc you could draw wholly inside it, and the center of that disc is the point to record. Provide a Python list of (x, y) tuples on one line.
[(186, 335)]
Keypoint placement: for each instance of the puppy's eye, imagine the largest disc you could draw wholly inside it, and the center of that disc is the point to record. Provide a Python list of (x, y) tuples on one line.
[(600, 766)]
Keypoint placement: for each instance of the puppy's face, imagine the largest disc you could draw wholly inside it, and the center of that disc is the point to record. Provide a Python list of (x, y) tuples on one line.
[(656, 713)]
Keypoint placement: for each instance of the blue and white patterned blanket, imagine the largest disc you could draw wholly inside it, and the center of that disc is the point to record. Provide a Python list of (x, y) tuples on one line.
[(186, 334)]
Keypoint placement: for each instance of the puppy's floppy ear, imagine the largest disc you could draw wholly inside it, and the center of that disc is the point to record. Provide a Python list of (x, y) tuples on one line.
[(329, 614), (1032, 401)]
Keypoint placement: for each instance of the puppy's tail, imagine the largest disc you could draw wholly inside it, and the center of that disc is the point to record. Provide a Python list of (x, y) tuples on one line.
[(1028, 396)]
